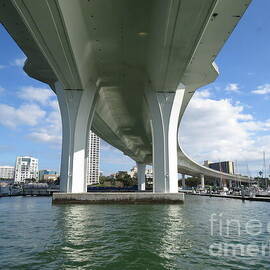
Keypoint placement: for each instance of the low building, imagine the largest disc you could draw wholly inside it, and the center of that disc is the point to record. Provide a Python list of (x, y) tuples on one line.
[(4, 189), (48, 175), (7, 172), (149, 173), (149, 176), (133, 172)]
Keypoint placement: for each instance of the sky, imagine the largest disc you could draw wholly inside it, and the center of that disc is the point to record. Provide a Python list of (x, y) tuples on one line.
[(226, 120)]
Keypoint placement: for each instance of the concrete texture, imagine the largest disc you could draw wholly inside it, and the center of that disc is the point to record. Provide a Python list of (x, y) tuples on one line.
[(120, 197)]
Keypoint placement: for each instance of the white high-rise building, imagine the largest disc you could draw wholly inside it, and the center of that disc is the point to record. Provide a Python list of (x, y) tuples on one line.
[(26, 168), (7, 172), (92, 176)]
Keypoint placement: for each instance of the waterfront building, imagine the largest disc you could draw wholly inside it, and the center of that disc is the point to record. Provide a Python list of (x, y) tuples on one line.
[(7, 172), (26, 168), (133, 172), (149, 173), (149, 176), (48, 175), (93, 158), (223, 166)]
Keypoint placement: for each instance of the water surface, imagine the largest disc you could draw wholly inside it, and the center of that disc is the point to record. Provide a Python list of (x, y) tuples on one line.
[(34, 234)]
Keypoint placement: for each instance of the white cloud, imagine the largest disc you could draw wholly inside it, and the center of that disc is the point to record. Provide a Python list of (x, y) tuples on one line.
[(203, 93), (42, 135), (221, 130), (51, 129), (28, 114), (34, 94), (232, 87), (19, 62), (2, 66), (262, 90)]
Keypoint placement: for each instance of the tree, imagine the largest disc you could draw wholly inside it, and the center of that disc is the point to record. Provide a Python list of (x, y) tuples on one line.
[(126, 179), (102, 179)]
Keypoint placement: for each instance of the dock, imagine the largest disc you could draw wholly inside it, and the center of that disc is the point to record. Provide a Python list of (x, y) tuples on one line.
[(246, 198)]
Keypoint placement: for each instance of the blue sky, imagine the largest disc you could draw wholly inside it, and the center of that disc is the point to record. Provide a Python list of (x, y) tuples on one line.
[(228, 119)]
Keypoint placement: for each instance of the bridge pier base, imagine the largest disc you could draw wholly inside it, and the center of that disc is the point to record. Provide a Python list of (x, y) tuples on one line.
[(141, 175), (164, 109), (76, 107)]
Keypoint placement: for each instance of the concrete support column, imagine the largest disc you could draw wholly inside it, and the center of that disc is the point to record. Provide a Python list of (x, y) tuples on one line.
[(202, 181), (221, 182), (230, 183), (164, 109), (141, 175), (77, 108), (183, 181)]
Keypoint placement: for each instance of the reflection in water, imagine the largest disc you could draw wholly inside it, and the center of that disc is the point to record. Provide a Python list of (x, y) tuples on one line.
[(172, 241), (127, 234), (37, 235)]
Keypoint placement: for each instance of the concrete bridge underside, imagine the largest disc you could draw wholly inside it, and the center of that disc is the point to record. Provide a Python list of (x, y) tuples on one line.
[(126, 69)]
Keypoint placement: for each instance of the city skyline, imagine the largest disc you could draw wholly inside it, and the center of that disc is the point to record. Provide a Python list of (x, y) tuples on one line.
[(235, 107)]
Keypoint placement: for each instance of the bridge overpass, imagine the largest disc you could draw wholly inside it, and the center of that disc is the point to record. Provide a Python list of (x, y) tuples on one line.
[(187, 166), (126, 69)]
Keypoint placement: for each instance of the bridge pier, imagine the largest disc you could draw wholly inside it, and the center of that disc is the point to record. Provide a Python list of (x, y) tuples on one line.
[(221, 183), (76, 107), (183, 181), (164, 109), (202, 181), (141, 175)]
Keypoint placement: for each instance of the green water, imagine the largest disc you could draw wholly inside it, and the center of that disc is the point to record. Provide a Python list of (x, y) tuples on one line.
[(34, 234)]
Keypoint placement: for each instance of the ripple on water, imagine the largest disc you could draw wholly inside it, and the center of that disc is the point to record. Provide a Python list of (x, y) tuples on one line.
[(37, 235)]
